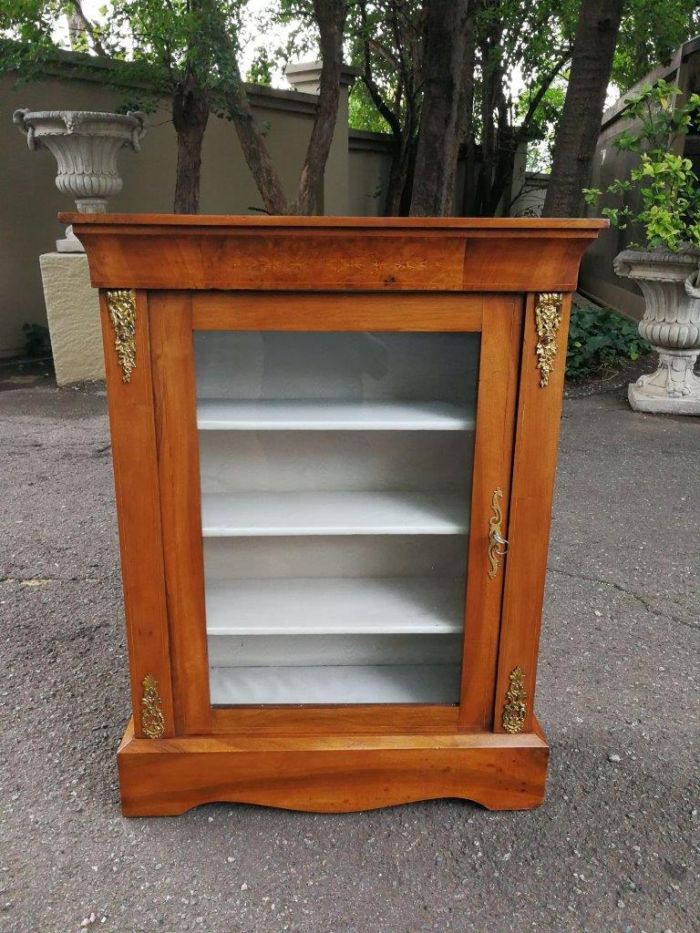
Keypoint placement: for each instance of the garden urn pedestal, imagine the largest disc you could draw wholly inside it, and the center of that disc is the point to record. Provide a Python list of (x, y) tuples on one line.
[(85, 144), (671, 324)]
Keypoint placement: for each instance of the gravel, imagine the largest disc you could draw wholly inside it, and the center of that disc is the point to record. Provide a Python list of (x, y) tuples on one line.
[(610, 850)]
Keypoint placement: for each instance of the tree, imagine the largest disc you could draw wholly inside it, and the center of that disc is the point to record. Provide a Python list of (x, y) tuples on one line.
[(426, 106), (532, 39), (159, 49), (175, 39), (187, 51), (651, 30), (329, 17), (386, 44), (577, 135), (447, 97)]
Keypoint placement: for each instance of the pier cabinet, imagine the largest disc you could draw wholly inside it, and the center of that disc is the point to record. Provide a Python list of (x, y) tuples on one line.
[(334, 446)]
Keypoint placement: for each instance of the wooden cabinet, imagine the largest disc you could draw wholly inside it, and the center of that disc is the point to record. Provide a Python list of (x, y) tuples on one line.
[(334, 446)]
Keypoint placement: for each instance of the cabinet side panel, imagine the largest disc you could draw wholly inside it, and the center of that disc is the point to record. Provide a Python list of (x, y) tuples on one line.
[(493, 452), (178, 460), (138, 510), (534, 467)]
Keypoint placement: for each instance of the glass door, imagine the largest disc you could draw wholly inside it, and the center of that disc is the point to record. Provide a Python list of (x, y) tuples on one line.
[(336, 474)]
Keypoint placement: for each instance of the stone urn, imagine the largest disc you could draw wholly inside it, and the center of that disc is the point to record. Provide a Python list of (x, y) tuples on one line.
[(85, 145), (671, 324)]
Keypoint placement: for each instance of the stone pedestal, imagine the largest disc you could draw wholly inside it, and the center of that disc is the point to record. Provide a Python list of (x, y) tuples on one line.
[(671, 324), (73, 312)]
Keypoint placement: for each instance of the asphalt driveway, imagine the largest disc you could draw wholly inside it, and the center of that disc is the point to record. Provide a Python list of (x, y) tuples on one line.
[(610, 850)]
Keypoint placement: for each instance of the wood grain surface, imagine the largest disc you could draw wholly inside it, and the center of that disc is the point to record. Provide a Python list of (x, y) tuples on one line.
[(334, 774)]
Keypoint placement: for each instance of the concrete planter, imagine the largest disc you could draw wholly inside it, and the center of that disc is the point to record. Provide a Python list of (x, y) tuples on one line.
[(85, 145), (671, 323)]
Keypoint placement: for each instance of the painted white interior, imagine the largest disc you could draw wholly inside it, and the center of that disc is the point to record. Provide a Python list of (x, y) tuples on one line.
[(399, 683), (334, 461), (321, 415), (333, 513), (338, 650), (331, 366), (335, 605), (352, 556), (335, 476)]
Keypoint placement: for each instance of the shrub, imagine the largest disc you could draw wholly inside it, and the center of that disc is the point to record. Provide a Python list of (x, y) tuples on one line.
[(668, 211), (598, 339), (36, 340)]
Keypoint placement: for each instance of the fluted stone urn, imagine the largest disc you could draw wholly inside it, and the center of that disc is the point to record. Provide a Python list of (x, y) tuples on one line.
[(85, 145), (671, 324)]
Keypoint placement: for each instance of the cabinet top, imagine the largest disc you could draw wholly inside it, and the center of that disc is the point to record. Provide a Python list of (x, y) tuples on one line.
[(212, 251), (360, 223)]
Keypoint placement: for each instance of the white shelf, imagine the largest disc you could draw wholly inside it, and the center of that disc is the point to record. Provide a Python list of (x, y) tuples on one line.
[(383, 683), (333, 513), (329, 606), (320, 415)]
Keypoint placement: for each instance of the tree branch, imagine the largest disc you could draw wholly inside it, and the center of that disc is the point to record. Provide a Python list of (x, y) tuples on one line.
[(89, 28), (542, 90)]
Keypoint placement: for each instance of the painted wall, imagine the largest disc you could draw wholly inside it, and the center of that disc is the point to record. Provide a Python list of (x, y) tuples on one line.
[(355, 181), (30, 200)]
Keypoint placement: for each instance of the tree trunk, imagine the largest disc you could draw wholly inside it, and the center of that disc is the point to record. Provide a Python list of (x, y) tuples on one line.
[(444, 113), (397, 177), (594, 47), (330, 16), (190, 116), (493, 116), (469, 181), (401, 174), (502, 182), (255, 150)]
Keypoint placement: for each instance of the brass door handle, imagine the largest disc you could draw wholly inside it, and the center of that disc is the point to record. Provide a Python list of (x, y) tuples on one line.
[(498, 546)]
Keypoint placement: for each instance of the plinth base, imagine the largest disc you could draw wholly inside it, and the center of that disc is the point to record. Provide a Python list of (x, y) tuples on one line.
[(673, 389), (641, 400), (330, 774), (73, 314)]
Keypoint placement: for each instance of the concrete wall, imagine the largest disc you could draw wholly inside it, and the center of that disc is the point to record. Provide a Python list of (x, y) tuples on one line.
[(355, 181), (598, 280), (368, 172), (30, 200)]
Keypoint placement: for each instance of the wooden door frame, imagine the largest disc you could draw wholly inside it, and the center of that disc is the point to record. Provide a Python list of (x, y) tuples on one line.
[(174, 317), (540, 396)]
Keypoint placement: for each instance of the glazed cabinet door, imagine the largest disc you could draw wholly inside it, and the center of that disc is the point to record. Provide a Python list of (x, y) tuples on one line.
[(334, 482)]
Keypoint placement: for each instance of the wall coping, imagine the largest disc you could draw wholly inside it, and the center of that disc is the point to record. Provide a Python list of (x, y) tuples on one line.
[(78, 66), (679, 57), (366, 141)]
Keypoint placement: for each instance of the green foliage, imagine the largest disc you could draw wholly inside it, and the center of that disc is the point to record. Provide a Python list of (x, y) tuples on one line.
[(261, 68), (157, 44), (651, 30), (598, 339), (362, 114), (27, 27), (668, 210), (542, 124)]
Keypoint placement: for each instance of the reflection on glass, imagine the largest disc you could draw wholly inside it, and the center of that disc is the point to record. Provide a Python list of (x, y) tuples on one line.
[(336, 478)]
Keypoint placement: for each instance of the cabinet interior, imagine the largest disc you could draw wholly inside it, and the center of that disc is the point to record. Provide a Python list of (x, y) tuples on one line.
[(336, 476)]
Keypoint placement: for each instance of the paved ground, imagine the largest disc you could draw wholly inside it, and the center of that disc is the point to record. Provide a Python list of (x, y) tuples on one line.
[(609, 851)]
